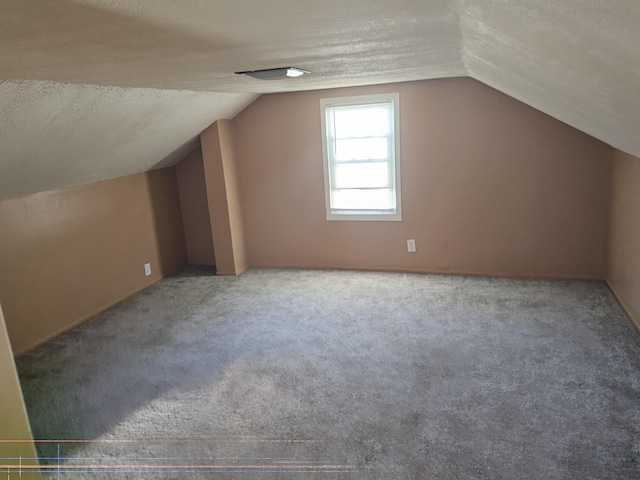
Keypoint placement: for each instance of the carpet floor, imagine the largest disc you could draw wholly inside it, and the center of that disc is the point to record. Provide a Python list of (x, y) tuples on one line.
[(339, 374)]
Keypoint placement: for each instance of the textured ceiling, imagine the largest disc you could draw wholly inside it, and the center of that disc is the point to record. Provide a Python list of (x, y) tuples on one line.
[(576, 60), (54, 135), (101, 88)]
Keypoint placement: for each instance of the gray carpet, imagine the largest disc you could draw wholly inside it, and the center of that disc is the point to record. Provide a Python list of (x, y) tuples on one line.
[(338, 374)]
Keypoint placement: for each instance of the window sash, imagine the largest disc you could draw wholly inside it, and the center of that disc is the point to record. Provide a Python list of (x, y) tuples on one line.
[(375, 193)]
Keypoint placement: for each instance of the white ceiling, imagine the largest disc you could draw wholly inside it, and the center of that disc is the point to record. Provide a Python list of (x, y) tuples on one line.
[(576, 60), (101, 88), (54, 135)]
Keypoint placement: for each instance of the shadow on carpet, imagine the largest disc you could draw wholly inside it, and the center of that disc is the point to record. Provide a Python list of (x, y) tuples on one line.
[(338, 374)]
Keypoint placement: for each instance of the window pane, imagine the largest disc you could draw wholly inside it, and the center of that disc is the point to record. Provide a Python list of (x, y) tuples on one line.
[(362, 168), (362, 175), (362, 121), (380, 199), (362, 149)]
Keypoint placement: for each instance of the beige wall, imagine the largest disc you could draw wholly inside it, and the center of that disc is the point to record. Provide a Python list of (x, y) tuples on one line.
[(229, 165), (219, 155), (14, 424), (69, 254), (489, 185), (195, 209), (624, 245)]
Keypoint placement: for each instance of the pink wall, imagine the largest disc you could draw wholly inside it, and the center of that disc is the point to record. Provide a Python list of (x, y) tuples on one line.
[(624, 245), (489, 186), (219, 158), (69, 254), (195, 209)]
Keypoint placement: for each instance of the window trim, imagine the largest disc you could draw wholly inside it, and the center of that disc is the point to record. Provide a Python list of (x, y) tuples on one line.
[(353, 215)]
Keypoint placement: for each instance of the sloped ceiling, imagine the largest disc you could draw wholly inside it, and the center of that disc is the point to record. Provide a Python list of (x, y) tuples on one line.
[(95, 89), (576, 60), (54, 135)]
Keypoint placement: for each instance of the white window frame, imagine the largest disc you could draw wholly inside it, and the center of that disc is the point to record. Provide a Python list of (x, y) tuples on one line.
[(363, 215)]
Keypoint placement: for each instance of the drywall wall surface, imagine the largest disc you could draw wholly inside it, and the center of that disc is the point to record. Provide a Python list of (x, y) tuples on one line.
[(222, 194), (69, 254), (489, 186), (624, 244), (167, 220), (217, 200), (229, 160), (195, 209), (14, 423)]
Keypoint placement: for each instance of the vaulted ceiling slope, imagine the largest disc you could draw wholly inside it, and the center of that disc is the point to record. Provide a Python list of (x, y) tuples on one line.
[(576, 60), (54, 135), (94, 89)]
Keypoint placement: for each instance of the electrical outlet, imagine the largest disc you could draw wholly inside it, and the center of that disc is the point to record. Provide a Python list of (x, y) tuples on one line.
[(411, 246), (147, 269)]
